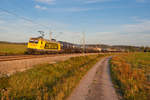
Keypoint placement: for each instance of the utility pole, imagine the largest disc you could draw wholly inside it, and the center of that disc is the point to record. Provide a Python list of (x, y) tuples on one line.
[(83, 42), (42, 33), (50, 35)]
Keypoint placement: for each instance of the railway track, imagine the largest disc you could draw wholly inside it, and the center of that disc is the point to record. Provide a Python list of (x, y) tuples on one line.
[(11, 58), (20, 57)]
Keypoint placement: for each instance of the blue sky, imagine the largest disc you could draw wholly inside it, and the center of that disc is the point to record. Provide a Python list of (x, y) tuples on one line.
[(114, 22)]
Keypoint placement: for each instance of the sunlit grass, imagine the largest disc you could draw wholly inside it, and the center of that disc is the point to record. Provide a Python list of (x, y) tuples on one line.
[(47, 81), (131, 75), (9, 49)]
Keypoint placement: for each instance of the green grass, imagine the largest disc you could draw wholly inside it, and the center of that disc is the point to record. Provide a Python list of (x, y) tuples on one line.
[(47, 81), (11, 49), (131, 75)]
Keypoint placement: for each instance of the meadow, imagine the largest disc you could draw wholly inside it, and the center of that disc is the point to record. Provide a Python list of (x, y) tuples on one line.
[(12, 49), (47, 81), (131, 75)]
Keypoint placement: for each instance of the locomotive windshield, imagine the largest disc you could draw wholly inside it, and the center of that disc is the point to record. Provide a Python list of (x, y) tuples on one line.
[(33, 41)]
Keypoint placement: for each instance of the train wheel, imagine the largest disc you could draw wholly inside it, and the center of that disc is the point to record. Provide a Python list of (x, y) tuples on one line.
[(30, 51)]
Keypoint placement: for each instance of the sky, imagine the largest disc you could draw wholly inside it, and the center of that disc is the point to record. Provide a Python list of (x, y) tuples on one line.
[(112, 22)]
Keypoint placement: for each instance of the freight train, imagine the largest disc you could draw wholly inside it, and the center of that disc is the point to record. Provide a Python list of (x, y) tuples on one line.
[(43, 46)]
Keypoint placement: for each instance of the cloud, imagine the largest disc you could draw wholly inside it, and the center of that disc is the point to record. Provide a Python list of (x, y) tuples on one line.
[(95, 1), (142, 26), (4, 14), (71, 9), (142, 1), (46, 1), (2, 21), (137, 34), (19, 30), (76, 9), (116, 38), (68, 35), (40, 7)]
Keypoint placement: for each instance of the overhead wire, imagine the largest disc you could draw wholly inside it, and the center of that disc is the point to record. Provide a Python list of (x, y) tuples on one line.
[(24, 18)]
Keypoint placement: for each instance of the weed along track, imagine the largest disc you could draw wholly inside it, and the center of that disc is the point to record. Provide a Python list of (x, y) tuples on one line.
[(47, 81)]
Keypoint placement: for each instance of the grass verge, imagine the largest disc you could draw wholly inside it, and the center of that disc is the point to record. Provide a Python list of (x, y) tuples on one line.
[(47, 81), (131, 75), (12, 49)]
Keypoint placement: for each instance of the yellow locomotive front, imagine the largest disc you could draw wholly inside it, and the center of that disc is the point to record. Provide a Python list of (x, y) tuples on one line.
[(43, 45)]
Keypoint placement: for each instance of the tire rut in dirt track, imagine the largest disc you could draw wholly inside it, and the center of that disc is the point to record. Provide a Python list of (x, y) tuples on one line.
[(96, 84)]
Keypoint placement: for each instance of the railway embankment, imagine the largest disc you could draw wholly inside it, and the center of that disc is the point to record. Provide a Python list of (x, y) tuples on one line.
[(11, 65)]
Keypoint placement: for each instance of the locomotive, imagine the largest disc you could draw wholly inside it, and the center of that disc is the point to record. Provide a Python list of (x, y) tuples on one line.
[(41, 45)]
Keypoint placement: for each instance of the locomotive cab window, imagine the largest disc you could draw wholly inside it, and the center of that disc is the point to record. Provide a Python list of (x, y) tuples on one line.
[(36, 41), (31, 41)]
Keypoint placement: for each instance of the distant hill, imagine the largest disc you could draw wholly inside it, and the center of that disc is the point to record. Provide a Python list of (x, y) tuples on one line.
[(122, 47), (99, 45)]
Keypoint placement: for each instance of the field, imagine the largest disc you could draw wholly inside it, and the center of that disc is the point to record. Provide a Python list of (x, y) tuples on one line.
[(47, 81), (11, 49), (131, 75)]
